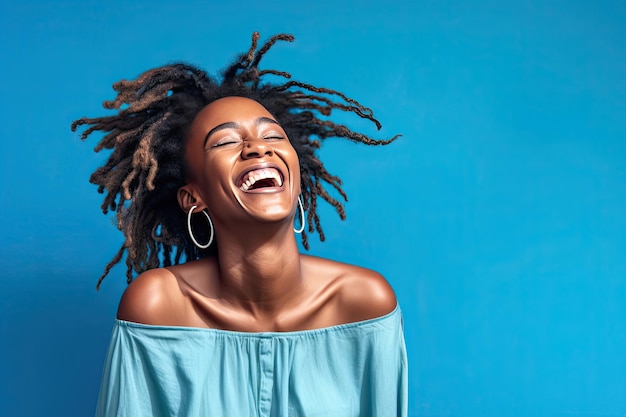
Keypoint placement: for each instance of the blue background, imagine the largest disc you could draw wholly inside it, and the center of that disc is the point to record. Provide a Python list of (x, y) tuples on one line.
[(498, 217)]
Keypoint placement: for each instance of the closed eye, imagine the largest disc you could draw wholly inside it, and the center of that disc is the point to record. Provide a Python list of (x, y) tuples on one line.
[(220, 144), (225, 141)]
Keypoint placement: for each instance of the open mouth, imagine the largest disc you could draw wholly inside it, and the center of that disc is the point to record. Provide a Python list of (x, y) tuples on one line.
[(261, 178)]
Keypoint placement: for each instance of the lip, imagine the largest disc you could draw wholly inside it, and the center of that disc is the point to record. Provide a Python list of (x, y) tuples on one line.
[(239, 180)]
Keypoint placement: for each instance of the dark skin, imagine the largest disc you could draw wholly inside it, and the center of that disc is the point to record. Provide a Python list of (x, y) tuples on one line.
[(259, 282)]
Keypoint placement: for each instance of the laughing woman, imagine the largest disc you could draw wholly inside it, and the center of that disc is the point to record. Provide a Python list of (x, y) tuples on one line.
[(209, 179)]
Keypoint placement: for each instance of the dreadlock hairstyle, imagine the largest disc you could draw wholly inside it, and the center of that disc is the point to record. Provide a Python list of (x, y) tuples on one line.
[(147, 137)]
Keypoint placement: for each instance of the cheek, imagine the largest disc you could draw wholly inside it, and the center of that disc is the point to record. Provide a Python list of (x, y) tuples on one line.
[(289, 153), (296, 173), (217, 171)]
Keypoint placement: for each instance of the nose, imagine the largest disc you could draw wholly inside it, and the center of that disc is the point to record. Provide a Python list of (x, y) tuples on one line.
[(256, 148)]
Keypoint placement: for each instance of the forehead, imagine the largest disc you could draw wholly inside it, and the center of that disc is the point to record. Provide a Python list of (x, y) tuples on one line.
[(229, 109)]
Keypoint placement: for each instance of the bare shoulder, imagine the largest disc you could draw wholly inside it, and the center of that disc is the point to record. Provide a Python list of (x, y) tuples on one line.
[(151, 298), (361, 293), (364, 293)]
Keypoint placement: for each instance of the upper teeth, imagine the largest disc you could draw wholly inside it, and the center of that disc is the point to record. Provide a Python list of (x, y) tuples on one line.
[(260, 174)]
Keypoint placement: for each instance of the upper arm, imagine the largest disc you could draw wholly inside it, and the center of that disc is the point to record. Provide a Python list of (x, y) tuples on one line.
[(150, 298)]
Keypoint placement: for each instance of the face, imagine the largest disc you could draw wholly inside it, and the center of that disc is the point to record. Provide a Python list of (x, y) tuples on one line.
[(241, 162)]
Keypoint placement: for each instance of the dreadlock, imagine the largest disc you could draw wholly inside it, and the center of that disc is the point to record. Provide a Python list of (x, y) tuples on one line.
[(147, 137)]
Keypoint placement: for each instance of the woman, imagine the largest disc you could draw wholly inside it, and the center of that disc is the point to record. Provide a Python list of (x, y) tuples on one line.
[(246, 325)]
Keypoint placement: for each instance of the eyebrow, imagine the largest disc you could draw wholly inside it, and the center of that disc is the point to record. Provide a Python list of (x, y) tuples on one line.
[(233, 125)]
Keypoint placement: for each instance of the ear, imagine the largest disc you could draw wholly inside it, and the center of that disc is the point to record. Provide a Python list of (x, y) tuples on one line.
[(188, 197)]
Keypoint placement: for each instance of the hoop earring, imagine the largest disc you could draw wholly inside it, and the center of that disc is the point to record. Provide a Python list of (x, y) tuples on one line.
[(302, 221), (191, 232)]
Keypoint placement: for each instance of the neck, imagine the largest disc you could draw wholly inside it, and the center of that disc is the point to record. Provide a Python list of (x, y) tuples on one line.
[(260, 269)]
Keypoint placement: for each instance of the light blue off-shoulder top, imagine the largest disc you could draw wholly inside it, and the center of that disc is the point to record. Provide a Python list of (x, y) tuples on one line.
[(354, 369)]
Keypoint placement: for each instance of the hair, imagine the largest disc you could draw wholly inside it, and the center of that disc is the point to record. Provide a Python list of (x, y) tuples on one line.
[(147, 136)]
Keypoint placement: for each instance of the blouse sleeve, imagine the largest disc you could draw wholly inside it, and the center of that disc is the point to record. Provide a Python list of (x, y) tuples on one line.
[(389, 376), (139, 377), (119, 380)]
